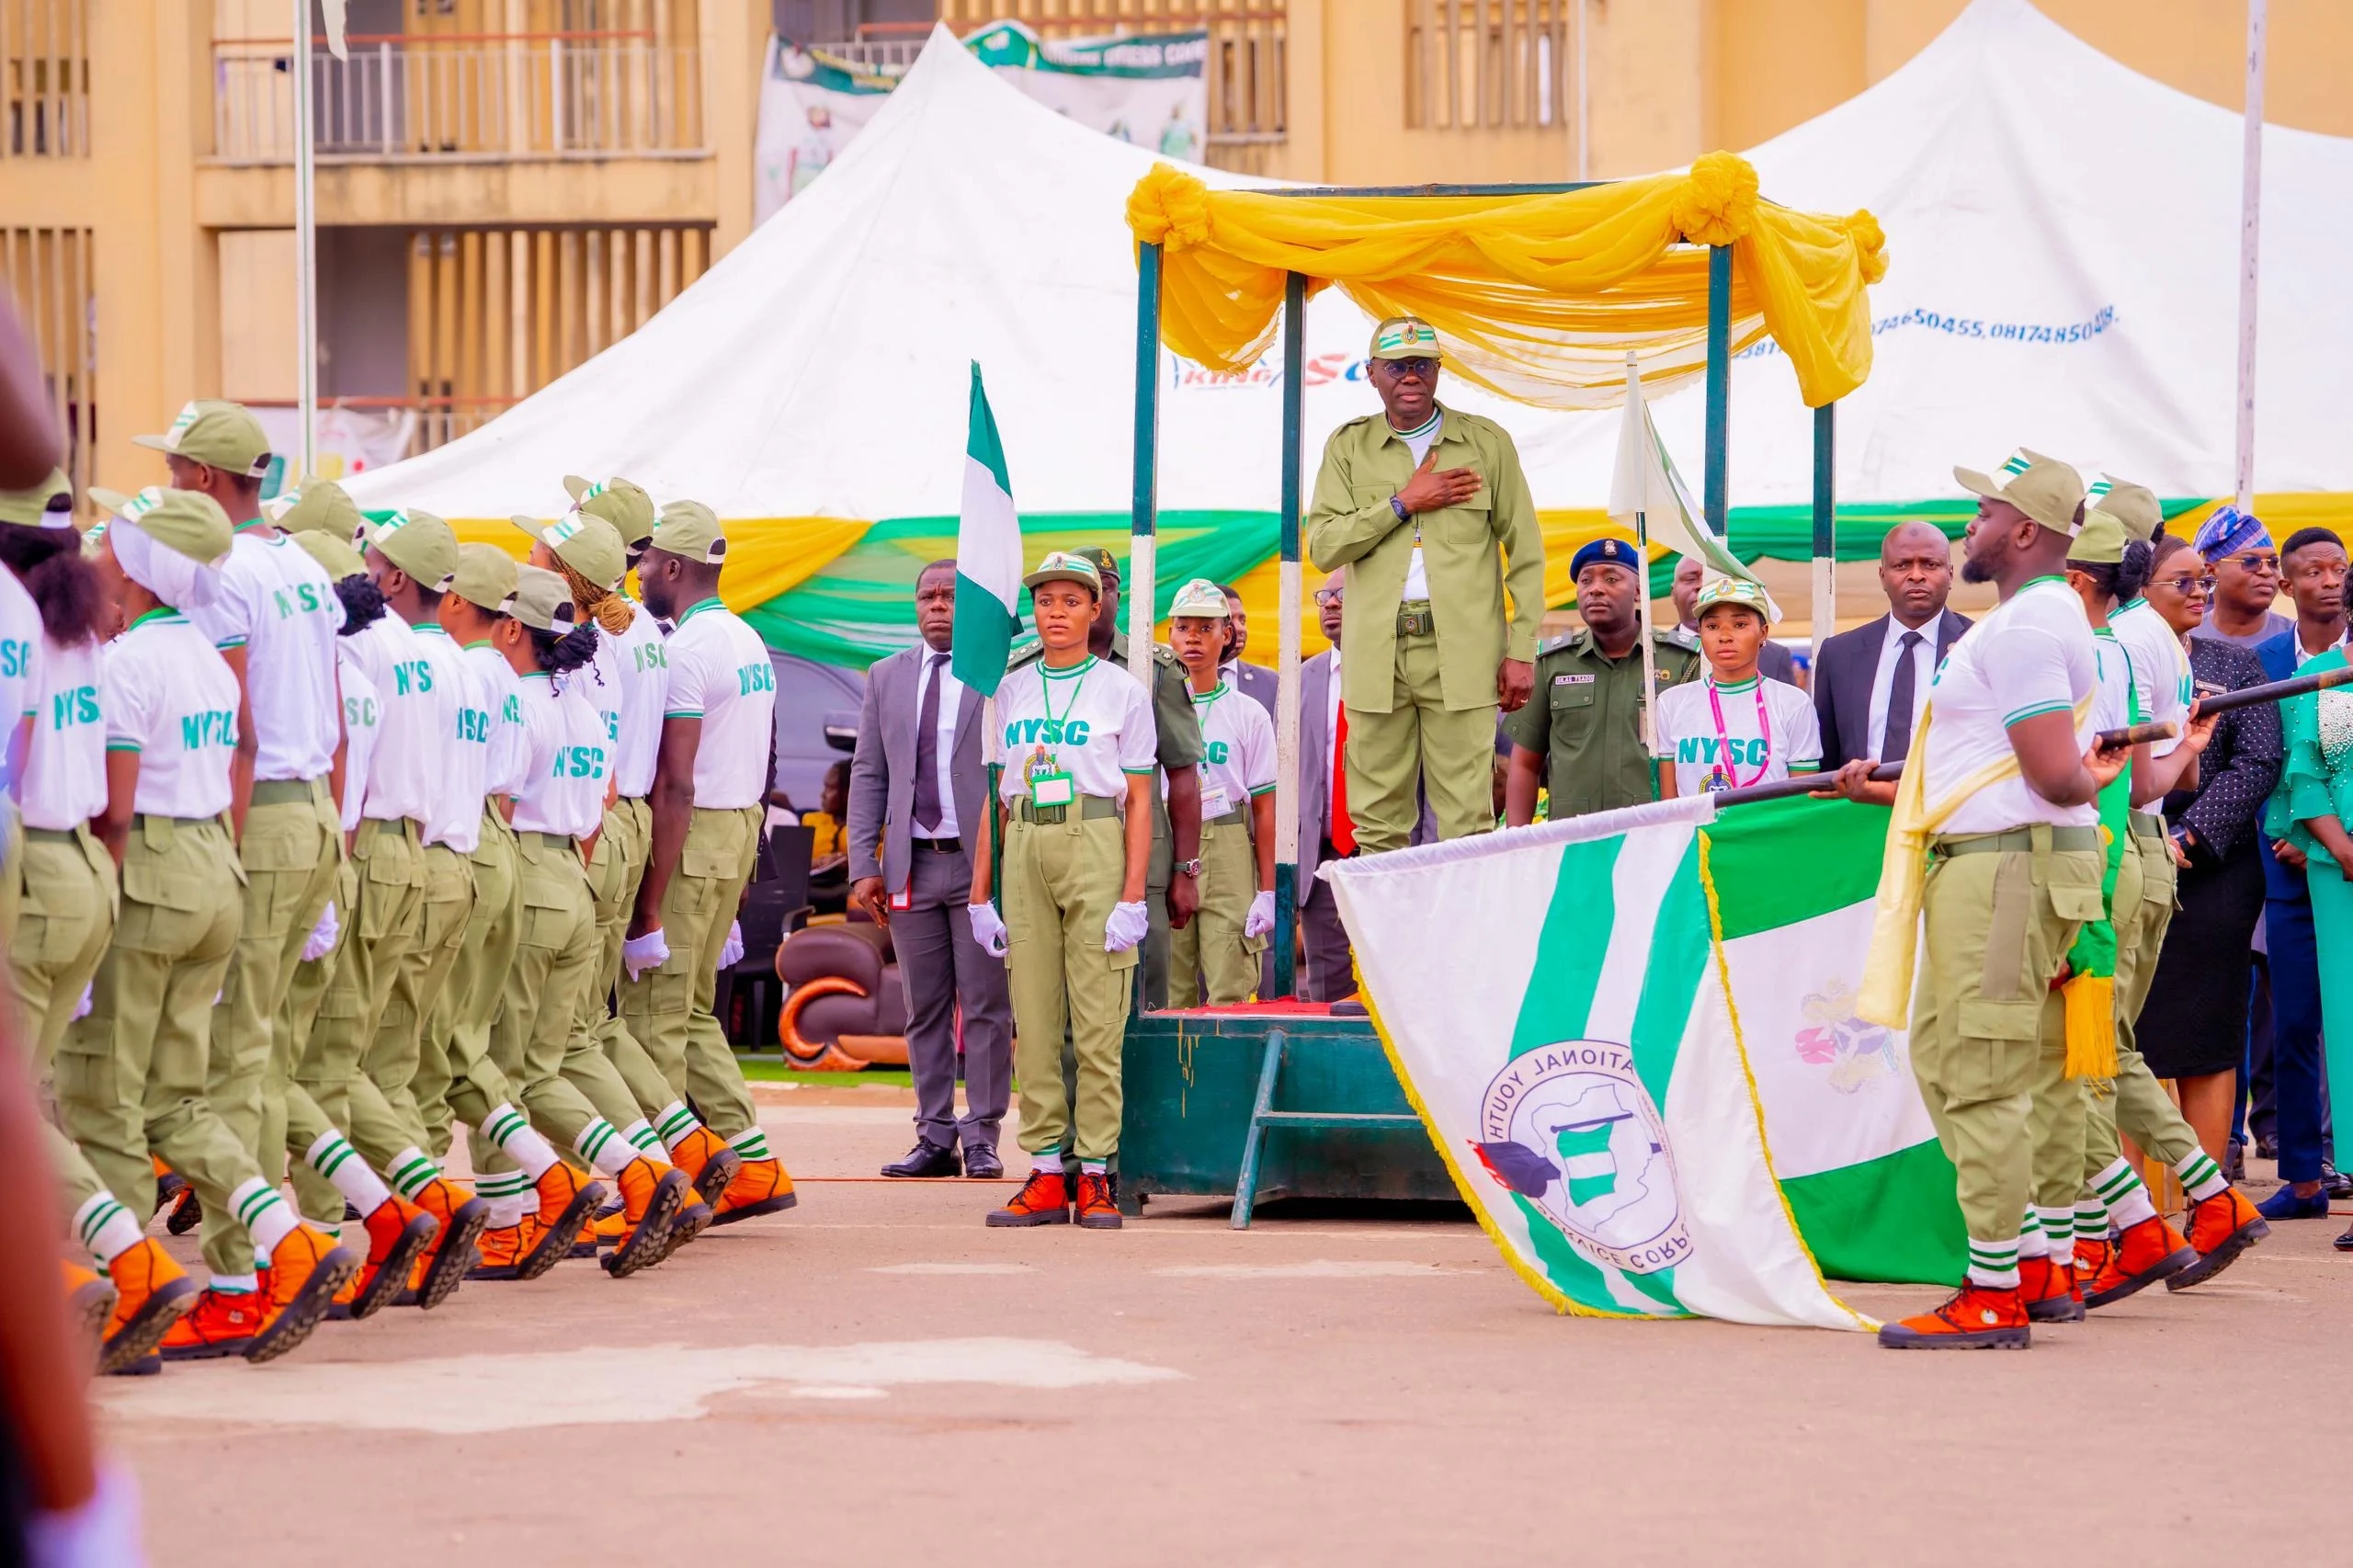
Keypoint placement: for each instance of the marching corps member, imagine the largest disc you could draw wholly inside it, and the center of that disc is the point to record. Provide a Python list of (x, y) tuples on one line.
[(711, 785), (1999, 801), (131, 1078), (64, 882), (1222, 943), (1737, 726), (1078, 742)]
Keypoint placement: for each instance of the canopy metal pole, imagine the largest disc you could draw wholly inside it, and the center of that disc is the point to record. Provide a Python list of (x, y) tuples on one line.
[(1287, 888), (1714, 501), (306, 249), (1826, 527), (2250, 223), (1139, 586)]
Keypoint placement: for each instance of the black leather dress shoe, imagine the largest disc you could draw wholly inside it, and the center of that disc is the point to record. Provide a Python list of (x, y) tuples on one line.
[(981, 1164), (927, 1159)]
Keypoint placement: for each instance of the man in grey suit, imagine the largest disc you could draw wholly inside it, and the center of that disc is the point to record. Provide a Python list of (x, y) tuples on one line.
[(918, 799), (1868, 683), (1255, 682), (1331, 963)]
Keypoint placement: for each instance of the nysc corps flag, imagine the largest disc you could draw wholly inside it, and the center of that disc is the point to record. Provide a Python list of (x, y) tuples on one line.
[(1631, 1038)]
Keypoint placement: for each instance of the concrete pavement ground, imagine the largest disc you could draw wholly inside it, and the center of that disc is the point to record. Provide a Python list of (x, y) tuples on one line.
[(875, 1378)]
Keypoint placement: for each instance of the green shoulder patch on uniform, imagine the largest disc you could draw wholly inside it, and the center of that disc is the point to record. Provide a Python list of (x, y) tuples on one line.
[(1557, 643)]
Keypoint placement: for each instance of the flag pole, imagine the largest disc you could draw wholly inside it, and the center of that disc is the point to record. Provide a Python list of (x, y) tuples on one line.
[(1643, 595), (2250, 225), (306, 282)]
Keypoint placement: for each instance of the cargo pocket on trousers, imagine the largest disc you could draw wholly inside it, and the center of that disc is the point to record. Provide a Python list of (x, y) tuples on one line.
[(1995, 1053), (163, 911), (548, 918), (84, 1066), (381, 885)]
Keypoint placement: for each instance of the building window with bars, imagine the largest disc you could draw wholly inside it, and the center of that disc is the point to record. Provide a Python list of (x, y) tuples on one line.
[(1485, 64)]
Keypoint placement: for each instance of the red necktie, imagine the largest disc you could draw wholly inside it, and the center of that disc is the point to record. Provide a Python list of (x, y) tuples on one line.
[(1343, 830)]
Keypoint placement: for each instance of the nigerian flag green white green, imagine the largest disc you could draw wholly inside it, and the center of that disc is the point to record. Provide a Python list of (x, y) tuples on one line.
[(1630, 1036), (988, 555)]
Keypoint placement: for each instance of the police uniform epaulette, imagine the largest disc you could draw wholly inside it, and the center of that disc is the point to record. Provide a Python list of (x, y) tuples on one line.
[(1165, 657), (1557, 643), (1678, 636)]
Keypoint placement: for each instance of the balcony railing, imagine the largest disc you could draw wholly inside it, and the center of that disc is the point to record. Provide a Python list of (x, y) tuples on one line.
[(455, 98)]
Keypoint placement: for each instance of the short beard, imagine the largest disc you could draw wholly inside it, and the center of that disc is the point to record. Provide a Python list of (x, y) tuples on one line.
[(1987, 567)]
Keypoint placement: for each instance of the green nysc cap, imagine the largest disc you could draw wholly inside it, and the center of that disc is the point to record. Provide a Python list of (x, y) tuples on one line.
[(690, 530), (48, 504), (587, 543), (217, 434), (418, 543), (338, 558), (542, 600), (2134, 505), (2101, 541), (486, 577), (1405, 337), (185, 522), (1073, 566), (321, 506), (1199, 597), (629, 508)]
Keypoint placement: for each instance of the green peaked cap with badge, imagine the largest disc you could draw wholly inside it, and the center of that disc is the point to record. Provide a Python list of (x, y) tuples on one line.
[(629, 508), (542, 600), (48, 504), (2102, 540), (321, 505), (217, 434), (2134, 505), (418, 543), (2043, 488), (1405, 337), (1199, 597), (187, 522), (583, 541), (486, 577), (338, 558), (1068, 566), (689, 529)]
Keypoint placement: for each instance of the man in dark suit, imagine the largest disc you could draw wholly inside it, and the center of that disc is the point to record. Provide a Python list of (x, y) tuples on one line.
[(1324, 830), (918, 799), (1255, 682), (1868, 683)]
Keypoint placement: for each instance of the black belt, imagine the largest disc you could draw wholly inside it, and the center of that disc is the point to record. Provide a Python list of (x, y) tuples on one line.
[(941, 846)]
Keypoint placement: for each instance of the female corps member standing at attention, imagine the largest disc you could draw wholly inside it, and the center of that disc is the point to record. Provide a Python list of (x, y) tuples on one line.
[(1219, 946), (1737, 727), (1076, 741)]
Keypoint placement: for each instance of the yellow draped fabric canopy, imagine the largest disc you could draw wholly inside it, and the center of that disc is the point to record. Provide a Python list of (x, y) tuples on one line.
[(1537, 298)]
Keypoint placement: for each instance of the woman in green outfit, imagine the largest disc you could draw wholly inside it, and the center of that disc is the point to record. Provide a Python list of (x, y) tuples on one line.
[(2311, 810)]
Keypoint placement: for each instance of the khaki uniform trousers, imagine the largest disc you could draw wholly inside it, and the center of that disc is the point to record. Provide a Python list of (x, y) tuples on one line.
[(668, 1010), (2135, 1101), (381, 923), (2058, 1123), (1450, 752), (291, 850), (537, 1041), (616, 871), (1212, 948), (457, 1074), (130, 1076), (66, 896), (1999, 922), (1061, 880), (396, 1053)]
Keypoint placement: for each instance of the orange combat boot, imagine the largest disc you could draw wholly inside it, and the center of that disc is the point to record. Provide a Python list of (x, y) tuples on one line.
[(307, 1270), (462, 1218), (89, 1302), (1044, 1199), (1099, 1210), (603, 1232), (530, 1249), (2143, 1254), (221, 1324), (152, 1293), (2221, 1228), (2047, 1286), (2091, 1257), (694, 1218), (652, 1194), (399, 1232), (710, 1162), (760, 1188), (1978, 1317)]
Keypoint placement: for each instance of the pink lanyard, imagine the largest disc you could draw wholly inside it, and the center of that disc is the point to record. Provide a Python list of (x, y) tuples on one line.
[(1721, 776)]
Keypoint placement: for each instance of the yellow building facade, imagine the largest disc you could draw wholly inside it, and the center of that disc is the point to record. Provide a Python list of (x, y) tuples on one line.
[(505, 186)]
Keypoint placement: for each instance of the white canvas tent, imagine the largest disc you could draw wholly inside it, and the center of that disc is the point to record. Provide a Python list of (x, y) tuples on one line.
[(2063, 235)]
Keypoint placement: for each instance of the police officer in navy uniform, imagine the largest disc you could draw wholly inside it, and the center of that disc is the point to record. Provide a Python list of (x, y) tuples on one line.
[(1584, 724)]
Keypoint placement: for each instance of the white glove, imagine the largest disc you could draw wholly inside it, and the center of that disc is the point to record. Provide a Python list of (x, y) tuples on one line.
[(642, 953), (731, 951), (324, 935), (101, 1533), (987, 929), (1126, 927), (82, 1008), (1261, 918)]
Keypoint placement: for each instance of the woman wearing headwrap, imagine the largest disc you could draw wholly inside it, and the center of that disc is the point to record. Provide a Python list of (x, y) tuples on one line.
[(130, 1076)]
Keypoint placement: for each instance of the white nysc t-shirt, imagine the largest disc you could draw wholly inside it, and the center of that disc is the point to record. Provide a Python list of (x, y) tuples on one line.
[(2160, 669), (462, 749), (639, 669), (170, 697), (720, 673), (63, 783), (1092, 722), (363, 715), (2033, 655), (569, 758), (1770, 731), (1237, 752), (276, 603), (403, 776), (502, 771)]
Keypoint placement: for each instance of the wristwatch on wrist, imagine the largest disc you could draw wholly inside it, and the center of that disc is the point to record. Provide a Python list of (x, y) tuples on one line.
[(1191, 868), (1397, 505)]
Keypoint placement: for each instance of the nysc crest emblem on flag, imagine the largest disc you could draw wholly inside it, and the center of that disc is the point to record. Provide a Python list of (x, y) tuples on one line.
[(1571, 1130)]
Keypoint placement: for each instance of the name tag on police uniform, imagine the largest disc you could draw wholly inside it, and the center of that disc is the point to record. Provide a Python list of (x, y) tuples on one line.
[(1573, 680)]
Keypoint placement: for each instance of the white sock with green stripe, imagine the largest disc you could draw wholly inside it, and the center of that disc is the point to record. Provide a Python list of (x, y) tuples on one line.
[(2091, 1220), (752, 1144), (505, 1127), (645, 1140), (2200, 1177), (234, 1284), (508, 1193), (602, 1144), (266, 1217), (674, 1124), (333, 1157), (1046, 1161), (413, 1171), (1994, 1265), (2058, 1233), (106, 1227), (2030, 1238), (2120, 1189)]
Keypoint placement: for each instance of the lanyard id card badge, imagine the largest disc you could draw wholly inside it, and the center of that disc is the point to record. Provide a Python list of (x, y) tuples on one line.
[(1051, 790)]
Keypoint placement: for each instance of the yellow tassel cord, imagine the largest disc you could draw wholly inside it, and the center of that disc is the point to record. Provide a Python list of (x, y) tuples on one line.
[(2091, 1025)]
